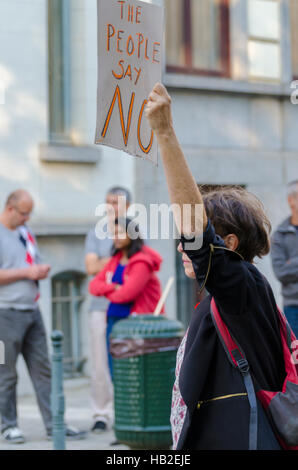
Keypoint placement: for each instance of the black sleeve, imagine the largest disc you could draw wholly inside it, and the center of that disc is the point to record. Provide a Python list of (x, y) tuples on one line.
[(223, 272)]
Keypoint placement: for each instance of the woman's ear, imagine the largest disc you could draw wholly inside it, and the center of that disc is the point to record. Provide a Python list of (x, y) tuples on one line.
[(231, 241)]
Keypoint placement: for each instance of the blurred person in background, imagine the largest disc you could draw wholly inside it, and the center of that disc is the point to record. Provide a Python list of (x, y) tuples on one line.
[(21, 326), (129, 279), (284, 253), (97, 255)]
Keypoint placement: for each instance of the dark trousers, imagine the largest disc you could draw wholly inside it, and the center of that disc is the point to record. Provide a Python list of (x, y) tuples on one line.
[(23, 332)]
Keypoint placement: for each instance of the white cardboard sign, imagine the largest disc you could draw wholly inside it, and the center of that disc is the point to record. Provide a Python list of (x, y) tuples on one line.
[(130, 37)]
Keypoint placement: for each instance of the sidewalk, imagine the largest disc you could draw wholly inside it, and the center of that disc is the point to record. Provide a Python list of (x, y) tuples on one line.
[(77, 413)]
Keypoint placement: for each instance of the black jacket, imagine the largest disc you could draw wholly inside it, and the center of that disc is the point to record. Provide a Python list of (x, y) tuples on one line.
[(247, 306)]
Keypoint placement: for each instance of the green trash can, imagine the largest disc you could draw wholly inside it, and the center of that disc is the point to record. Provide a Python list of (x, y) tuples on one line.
[(144, 349)]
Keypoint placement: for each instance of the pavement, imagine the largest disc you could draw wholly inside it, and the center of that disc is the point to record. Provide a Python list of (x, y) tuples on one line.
[(77, 413)]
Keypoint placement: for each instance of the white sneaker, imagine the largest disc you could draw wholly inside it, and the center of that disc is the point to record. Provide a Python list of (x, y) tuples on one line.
[(13, 435)]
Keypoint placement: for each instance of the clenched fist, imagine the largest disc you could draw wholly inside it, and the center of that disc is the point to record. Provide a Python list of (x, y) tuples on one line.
[(158, 110)]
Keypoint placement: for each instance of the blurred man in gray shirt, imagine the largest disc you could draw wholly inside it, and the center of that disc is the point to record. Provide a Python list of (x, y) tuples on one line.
[(97, 254), (284, 252), (21, 326)]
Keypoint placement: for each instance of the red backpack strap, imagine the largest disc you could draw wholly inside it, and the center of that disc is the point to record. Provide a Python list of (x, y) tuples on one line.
[(235, 354), (237, 358), (288, 339)]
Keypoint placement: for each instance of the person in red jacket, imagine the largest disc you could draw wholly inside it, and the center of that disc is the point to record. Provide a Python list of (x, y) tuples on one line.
[(129, 279)]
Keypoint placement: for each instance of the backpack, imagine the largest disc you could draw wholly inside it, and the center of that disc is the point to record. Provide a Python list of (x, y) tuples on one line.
[(281, 407)]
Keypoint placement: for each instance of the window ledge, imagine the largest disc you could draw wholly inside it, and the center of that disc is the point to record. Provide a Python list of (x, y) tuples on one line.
[(225, 85), (42, 228), (67, 153)]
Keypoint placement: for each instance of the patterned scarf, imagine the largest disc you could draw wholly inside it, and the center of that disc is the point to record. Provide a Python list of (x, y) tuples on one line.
[(29, 243)]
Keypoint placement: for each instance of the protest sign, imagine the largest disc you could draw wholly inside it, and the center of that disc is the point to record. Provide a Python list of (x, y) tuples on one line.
[(129, 64)]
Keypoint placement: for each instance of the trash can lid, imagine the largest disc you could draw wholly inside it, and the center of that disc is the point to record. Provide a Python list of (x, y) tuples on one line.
[(147, 326)]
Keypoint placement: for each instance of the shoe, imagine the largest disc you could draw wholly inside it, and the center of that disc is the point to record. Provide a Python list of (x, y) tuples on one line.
[(13, 435), (99, 427), (71, 433)]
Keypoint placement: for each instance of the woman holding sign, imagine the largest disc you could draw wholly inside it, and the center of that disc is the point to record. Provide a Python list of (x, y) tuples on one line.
[(212, 406), (129, 279)]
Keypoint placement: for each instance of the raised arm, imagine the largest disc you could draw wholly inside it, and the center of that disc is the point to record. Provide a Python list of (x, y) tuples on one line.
[(182, 187), (220, 271)]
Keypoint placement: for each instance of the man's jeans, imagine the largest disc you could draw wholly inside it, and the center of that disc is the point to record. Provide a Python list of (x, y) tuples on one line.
[(291, 313), (23, 332)]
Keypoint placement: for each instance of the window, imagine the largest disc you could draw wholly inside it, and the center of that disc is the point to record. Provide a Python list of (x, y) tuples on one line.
[(59, 73), (264, 35), (197, 36), (294, 35), (66, 305)]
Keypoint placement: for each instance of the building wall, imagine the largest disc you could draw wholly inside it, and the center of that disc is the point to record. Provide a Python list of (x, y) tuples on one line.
[(23, 117), (66, 194), (62, 191)]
